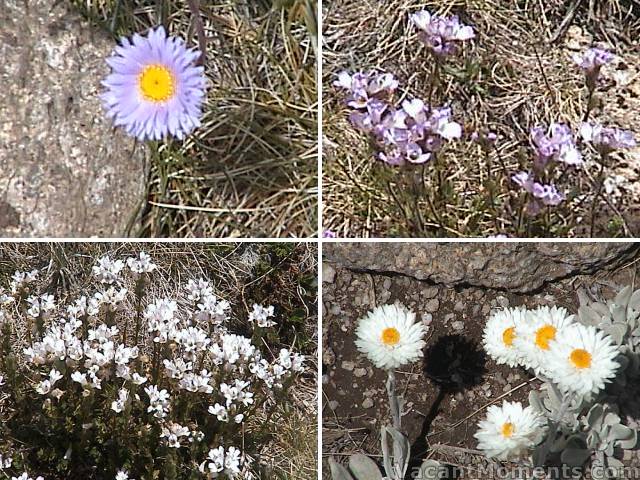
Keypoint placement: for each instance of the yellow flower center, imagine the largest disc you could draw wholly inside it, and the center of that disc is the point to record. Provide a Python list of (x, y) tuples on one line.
[(580, 358), (157, 83), (544, 335), (390, 336), (507, 429), (508, 335)]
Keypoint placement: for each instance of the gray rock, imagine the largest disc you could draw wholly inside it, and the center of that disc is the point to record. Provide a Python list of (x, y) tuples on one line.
[(328, 273), (432, 305), (517, 267), (65, 171)]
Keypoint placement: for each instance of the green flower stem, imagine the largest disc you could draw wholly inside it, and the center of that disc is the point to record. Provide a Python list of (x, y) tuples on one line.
[(599, 187)]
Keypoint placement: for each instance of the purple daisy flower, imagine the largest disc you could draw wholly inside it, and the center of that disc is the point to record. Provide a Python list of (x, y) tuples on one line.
[(154, 88)]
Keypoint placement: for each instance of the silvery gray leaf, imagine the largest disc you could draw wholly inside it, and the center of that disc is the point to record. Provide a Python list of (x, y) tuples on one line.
[(617, 330), (386, 454), (602, 311), (401, 450), (588, 316), (363, 468), (431, 470), (623, 297), (634, 301), (338, 472)]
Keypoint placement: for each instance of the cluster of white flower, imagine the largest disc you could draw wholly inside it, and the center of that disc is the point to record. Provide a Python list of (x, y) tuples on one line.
[(42, 305), (578, 358), (119, 405), (107, 270), (142, 264), (161, 320), (5, 462), (112, 297), (195, 349), (21, 280), (234, 395), (261, 315), (5, 298), (158, 401), (172, 432), (25, 476), (45, 386), (221, 461), (83, 307), (123, 475), (211, 309)]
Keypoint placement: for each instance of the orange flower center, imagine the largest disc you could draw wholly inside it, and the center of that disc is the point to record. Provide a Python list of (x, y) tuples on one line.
[(507, 429), (390, 336), (508, 335), (580, 358), (544, 335)]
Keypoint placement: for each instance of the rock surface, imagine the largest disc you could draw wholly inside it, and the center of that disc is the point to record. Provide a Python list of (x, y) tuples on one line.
[(65, 171), (517, 267)]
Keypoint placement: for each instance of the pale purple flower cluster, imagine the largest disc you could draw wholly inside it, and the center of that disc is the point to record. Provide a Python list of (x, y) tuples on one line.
[(411, 133), (542, 194), (559, 145), (441, 34), (607, 139), (591, 62)]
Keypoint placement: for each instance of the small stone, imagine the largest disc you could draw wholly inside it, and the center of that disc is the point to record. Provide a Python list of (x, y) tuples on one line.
[(360, 372), (503, 301), (427, 318), (349, 366), (459, 306), (458, 325), (368, 403), (486, 309), (432, 305), (328, 273), (333, 404), (429, 292), (386, 284)]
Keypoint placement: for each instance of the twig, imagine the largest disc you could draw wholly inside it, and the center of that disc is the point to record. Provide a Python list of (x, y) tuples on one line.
[(566, 21), (457, 424), (202, 40)]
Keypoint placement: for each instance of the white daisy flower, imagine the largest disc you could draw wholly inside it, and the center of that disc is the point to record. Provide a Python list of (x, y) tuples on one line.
[(583, 359), (535, 335), (510, 431), (389, 336), (500, 333)]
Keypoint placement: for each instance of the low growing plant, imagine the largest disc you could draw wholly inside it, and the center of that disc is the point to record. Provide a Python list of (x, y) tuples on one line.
[(121, 383)]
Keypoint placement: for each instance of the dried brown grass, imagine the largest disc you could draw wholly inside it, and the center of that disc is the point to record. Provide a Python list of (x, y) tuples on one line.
[(522, 80)]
